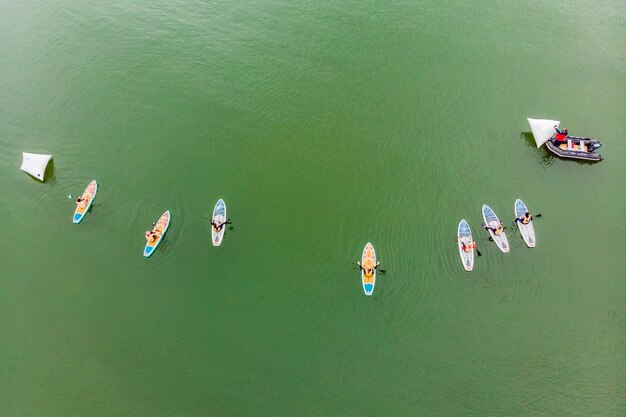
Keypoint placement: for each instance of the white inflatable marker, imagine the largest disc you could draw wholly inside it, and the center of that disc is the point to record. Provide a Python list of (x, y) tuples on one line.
[(35, 164), (542, 129)]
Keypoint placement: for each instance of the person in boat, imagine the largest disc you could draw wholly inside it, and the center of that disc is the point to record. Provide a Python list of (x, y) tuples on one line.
[(496, 230), (217, 225), (561, 135), (469, 247), (525, 219)]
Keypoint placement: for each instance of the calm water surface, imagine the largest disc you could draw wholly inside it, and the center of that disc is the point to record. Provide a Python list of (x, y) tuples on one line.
[(323, 125)]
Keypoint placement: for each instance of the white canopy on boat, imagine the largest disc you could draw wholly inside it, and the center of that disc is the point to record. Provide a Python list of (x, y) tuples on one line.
[(542, 129), (35, 164)]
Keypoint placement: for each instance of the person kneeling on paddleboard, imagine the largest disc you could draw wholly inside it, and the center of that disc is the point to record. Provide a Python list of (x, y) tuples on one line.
[(151, 236), (217, 225), (496, 230), (368, 271), (560, 136), (468, 248), (525, 219)]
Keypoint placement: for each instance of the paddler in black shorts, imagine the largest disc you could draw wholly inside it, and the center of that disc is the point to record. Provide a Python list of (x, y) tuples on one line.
[(217, 225), (525, 219)]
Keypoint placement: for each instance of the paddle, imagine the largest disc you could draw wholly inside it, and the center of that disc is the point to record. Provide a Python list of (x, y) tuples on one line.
[(71, 196), (382, 271), (490, 237), (223, 224), (487, 228), (536, 216)]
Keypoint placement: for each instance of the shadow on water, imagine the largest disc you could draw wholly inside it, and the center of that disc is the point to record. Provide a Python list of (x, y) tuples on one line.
[(50, 173), (545, 157)]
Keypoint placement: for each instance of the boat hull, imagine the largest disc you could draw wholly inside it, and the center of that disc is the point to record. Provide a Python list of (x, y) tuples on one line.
[(562, 150)]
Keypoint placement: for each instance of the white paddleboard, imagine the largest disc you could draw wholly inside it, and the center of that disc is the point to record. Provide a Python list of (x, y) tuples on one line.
[(490, 218), (219, 214), (527, 230), (464, 235)]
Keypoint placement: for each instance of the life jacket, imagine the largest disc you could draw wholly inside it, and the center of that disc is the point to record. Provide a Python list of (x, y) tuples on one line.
[(560, 137)]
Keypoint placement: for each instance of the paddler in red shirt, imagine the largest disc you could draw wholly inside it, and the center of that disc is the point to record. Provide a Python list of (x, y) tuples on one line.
[(561, 135)]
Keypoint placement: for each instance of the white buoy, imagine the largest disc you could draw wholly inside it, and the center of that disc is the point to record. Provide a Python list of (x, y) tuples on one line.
[(35, 164)]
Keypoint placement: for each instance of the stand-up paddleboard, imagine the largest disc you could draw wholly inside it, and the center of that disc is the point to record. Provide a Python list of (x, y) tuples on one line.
[(464, 235), (219, 214), (492, 220), (83, 207), (160, 228), (368, 261), (527, 230)]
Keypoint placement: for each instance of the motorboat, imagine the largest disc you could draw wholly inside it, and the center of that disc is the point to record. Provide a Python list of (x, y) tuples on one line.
[(565, 146)]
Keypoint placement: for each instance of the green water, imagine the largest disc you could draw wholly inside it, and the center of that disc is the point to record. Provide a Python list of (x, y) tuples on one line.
[(323, 125)]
